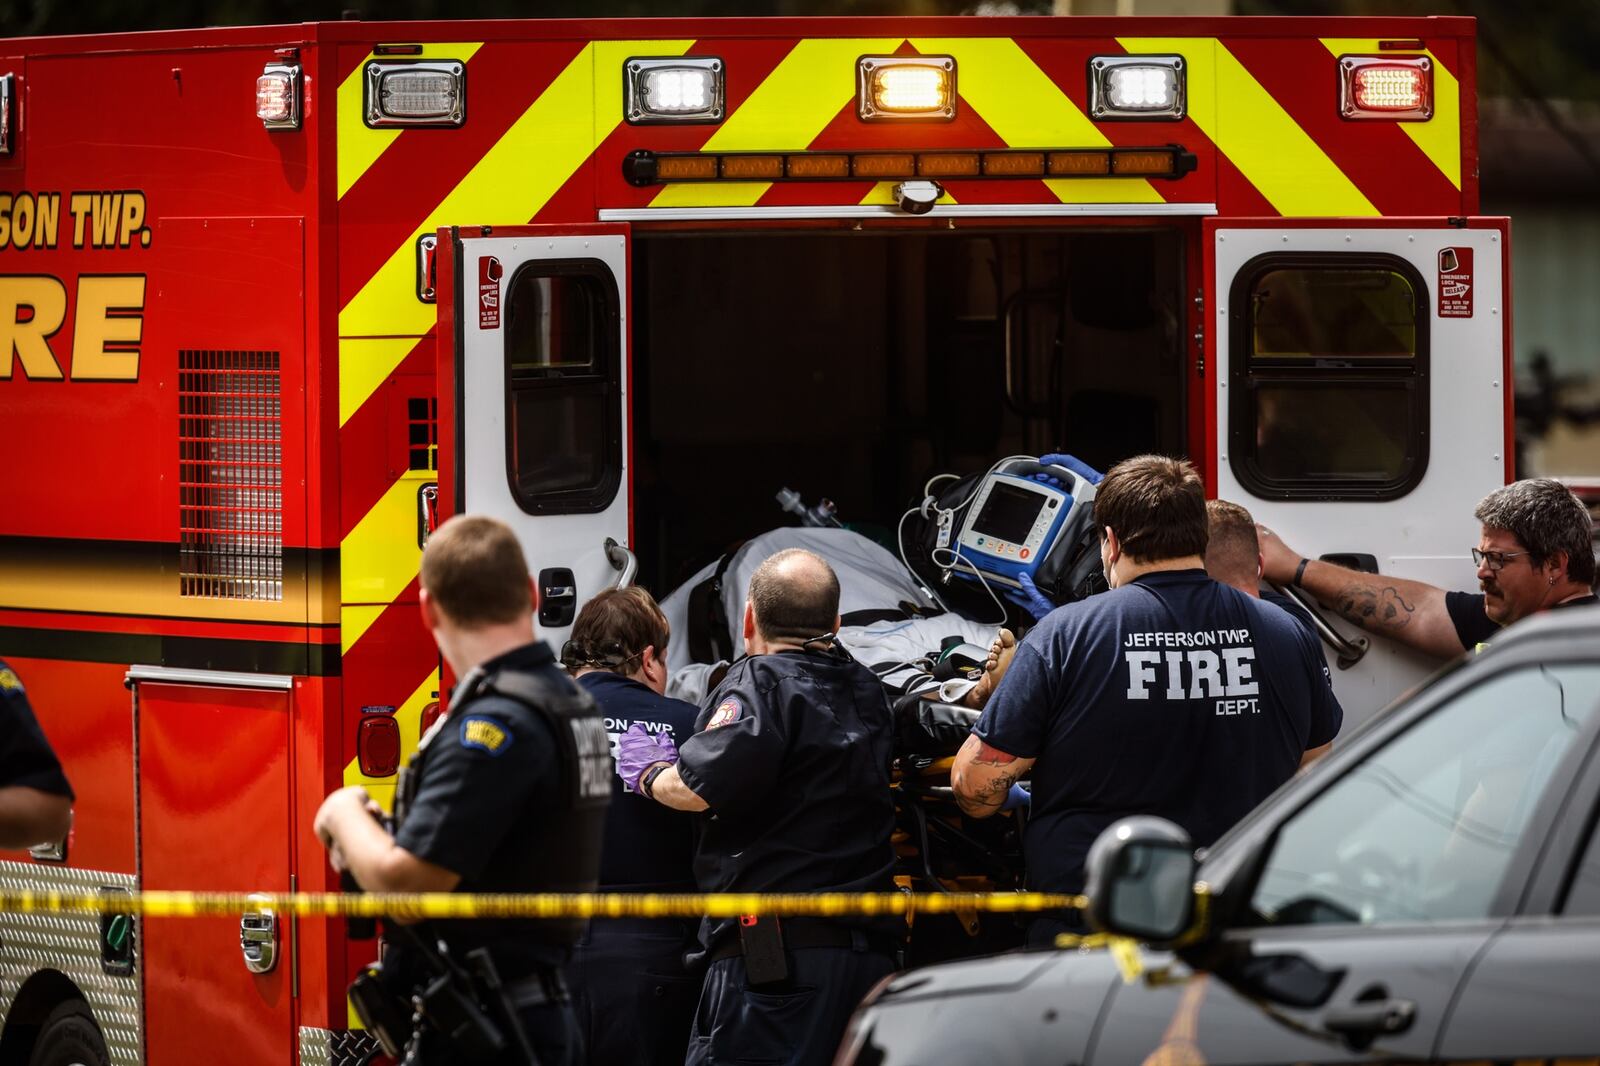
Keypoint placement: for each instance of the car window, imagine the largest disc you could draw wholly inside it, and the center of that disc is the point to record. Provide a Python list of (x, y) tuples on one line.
[(1424, 829), (1583, 895)]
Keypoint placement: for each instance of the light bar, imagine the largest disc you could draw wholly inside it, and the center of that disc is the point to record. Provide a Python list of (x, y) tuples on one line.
[(1396, 89), (424, 93), (643, 168), (901, 88), (686, 89), (278, 96), (1137, 87)]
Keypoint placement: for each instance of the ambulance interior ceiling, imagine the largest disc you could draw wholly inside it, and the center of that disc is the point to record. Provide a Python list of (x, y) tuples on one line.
[(855, 366)]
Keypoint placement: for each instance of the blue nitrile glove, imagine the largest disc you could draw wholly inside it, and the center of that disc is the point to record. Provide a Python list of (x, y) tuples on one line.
[(637, 751), (1029, 598), (1074, 464), (1018, 796)]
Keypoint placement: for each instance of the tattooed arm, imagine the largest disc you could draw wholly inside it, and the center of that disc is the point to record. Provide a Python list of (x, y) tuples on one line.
[(982, 775), (1411, 612)]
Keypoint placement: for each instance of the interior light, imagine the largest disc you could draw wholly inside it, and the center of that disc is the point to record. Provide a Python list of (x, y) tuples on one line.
[(679, 89), (278, 96), (905, 87), (1386, 88), (416, 94), (1124, 87)]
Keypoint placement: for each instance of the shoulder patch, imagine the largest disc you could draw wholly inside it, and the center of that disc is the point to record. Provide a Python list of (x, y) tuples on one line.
[(486, 734), (728, 712), (10, 683)]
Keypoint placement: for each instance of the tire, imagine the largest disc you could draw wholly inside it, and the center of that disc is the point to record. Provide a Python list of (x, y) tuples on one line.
[(69, 1037)]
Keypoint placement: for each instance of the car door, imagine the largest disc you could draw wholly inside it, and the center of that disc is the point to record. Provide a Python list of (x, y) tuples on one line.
[(533, 394), (1532, 995), (1372, 896)]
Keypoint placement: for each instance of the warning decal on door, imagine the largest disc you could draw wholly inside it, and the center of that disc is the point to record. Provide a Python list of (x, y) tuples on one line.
[(1455, 283), (489, 274)]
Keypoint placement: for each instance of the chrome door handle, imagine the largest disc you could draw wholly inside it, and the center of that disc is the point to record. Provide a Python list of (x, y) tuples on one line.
[(258, 936)]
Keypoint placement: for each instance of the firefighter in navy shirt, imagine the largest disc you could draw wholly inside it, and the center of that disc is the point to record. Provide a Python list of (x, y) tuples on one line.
[(1171, 695), (634, 995), (791, 766), (506, 794), (35, 799)]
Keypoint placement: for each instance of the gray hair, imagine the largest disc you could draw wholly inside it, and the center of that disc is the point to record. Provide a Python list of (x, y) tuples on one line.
[(1546, 518)]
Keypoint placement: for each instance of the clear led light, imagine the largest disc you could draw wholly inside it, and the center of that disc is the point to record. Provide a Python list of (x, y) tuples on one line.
[(1393, 88), (1144, 87), (679, 89), (1388, 89), (671, 92), (425, 93), (906, 87), (278, 97)]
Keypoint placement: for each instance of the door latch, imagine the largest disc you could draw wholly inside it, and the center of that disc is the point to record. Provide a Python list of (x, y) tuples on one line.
[(258, 936)]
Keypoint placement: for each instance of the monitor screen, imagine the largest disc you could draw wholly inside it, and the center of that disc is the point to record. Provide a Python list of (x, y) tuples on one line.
[(1008, 513)]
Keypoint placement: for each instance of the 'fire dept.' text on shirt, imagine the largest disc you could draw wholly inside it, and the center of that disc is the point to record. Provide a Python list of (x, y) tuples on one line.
[(1209, 664)]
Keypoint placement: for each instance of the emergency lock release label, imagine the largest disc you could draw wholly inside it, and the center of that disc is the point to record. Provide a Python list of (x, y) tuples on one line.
[(489, 273), (1455, 283)]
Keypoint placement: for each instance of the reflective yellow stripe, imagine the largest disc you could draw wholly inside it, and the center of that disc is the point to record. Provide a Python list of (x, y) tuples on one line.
[(365, 363), (787, 111), (1439, 137), (359, 145), (354, 620), (513, 180), (996, 79), (1257, 135), (380, 556)]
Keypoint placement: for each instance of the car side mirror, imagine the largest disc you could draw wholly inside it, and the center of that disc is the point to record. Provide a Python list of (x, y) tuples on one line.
[(1140, 884)]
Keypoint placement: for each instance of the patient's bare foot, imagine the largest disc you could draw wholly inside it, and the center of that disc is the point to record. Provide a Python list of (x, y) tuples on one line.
[(994, 668)]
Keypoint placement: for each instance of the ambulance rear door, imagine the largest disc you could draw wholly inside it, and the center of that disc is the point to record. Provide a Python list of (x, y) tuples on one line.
[(533, 393), (1362, 400)]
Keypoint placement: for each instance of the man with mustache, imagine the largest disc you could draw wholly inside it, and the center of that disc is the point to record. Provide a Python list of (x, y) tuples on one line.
[(1535, 553)]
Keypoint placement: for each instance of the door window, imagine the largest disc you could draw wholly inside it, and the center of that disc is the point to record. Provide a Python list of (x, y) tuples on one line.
[(1329, 377), (1583, 894), (563, 367), (1424, 830)]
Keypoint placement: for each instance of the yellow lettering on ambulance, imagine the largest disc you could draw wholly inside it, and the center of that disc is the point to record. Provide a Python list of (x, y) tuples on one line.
[(133, 219), (28, 339), (108, 327)]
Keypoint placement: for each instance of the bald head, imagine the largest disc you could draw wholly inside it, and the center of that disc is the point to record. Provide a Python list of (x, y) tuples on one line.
[(794, 596), (1233, 552)]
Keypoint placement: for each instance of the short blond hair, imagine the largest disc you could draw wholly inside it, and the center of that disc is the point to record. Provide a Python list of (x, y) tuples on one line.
[(474, 570), (1233, 548)]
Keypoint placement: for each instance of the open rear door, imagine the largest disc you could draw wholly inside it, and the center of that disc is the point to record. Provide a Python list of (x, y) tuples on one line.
[(533, 393), (1362, 397)]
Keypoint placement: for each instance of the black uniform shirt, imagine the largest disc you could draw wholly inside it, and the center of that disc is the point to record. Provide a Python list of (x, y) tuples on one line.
[(1473, 625), (25, 755), (648, 847), (1173, 695), (490, 773), (793, 759)]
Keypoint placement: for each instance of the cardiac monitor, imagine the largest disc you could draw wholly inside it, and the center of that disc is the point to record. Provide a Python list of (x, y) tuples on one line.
[(1012, 525)]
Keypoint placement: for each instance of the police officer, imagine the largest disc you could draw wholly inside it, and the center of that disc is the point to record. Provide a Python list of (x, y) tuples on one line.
[(791, 766), (506, 793), (634, 995), (1171, 695), (35, 799)]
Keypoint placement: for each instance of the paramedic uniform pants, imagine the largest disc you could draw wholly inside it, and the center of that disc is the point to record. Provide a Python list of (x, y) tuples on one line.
[(798, 1022), (634, 997)]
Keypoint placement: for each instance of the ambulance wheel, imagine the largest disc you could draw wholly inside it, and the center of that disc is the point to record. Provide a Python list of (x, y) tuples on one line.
[(69, 1037)]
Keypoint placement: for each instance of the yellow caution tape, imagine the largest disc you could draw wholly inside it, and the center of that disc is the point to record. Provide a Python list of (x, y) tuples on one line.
[(420, 905)]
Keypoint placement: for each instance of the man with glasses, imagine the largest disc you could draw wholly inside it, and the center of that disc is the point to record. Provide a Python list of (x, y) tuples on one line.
[(1536, 552)]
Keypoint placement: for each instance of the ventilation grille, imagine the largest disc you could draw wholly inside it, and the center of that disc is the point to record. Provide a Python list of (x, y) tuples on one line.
[(230, 464), (422, 432)]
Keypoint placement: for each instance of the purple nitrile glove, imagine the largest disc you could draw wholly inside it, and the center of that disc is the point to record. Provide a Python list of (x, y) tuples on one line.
[(637, 751), (1029, 598), (1074, 464), (1018, 796)]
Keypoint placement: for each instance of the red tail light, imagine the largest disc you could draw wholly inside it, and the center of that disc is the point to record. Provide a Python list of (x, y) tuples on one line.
[(1389, 88), (430, 715), (378, 745)]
